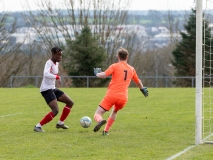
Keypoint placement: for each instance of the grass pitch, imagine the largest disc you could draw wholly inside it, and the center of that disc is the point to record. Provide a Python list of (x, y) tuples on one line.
[(152, 128)]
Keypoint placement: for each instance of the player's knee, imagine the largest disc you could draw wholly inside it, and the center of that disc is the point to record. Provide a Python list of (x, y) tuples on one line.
[(55, 112), (70, 103)]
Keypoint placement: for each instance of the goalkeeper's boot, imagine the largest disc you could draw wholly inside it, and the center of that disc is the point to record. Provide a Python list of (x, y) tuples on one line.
[(98, 125), (38, 129), (105, 133), (63, 126)]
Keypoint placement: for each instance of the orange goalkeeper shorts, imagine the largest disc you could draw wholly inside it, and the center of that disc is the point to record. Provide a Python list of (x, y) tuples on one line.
[(108, 102)]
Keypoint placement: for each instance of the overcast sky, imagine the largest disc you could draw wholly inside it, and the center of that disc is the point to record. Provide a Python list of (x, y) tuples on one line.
[(17, 5)]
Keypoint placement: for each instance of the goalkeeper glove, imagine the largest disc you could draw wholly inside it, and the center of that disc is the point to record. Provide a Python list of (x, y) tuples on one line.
[(97, 70), (144, 91)]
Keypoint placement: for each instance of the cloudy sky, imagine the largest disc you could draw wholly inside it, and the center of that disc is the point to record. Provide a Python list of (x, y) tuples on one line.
[(17, 5)]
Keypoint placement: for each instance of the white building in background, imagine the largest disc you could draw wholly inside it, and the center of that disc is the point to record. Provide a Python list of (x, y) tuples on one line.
[(163, 29), (139, 29), (159, 37), (154, 29), (28, 35), (162, 37), (24, 35)]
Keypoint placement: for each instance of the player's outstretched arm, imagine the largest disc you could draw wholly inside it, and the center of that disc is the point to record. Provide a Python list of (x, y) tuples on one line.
[(98, 73)]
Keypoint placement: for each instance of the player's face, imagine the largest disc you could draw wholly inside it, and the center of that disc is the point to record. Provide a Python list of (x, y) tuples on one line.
[(58, 56)]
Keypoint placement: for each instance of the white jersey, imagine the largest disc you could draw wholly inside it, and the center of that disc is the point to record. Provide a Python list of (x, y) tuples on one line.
[(49, 75)]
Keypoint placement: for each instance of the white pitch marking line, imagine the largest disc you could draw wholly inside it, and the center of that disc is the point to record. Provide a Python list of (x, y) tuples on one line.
[(8, 115), (180, 153)]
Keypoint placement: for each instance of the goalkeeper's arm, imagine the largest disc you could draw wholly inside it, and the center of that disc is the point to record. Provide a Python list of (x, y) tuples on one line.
[(142, 88), (98, 73), (140, 84), (101, 75)]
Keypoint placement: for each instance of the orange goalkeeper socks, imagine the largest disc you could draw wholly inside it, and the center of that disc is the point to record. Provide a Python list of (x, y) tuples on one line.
[(110, 121)]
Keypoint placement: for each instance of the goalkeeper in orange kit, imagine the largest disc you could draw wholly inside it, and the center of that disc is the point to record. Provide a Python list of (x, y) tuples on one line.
[(117, 93)]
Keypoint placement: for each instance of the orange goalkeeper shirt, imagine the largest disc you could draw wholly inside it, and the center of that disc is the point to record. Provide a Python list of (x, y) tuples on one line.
[(122, 74)]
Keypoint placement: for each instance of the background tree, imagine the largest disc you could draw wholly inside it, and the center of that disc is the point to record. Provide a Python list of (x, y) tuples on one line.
[(55, 26), (17, 57), (185, 51), (10, 55), (106, 19), (154, 64), (82, 55)]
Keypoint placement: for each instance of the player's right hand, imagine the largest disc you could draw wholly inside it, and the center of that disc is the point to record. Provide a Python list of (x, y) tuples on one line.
[(145, 91), (97, 70)]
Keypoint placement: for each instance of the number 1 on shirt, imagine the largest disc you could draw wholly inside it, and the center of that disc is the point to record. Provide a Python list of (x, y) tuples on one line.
[(125, 72)]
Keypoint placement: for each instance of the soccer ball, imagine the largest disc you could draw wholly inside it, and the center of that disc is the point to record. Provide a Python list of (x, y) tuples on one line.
[(85, 121)]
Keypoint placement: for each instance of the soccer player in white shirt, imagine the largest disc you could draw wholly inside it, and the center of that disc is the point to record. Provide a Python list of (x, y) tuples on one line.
[(52, 94)]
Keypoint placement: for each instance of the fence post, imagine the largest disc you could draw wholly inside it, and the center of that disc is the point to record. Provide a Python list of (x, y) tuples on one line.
[(87, 82), (36, 81), (192, 82), (166, 82), (11, 82), (156, 78), (62, 81)]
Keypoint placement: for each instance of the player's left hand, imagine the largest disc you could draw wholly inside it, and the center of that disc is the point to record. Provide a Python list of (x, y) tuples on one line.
[(97, 70), (145, 91)]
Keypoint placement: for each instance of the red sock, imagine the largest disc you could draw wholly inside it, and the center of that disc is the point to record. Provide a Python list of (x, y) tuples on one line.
[(47, 118), (98, 117), (65, 113), (110, 121)]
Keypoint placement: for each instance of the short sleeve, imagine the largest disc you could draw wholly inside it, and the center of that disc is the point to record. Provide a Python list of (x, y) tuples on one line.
[(135, 77), (110, 70)]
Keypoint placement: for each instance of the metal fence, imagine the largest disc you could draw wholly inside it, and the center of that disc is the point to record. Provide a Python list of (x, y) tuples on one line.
[(66, 81)]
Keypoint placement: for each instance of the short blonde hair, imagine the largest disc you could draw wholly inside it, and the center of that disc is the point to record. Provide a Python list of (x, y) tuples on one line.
[(123, 54)]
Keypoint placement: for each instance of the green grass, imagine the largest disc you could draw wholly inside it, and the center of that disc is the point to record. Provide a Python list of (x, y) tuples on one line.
[(152, 128)]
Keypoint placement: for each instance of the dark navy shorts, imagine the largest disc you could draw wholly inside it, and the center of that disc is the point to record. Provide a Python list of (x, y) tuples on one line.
[(51, 94)]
